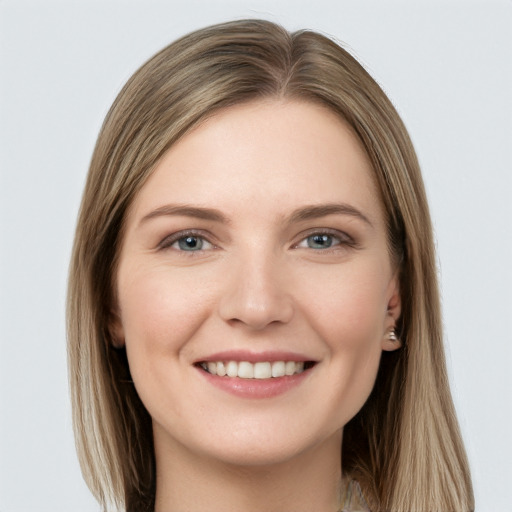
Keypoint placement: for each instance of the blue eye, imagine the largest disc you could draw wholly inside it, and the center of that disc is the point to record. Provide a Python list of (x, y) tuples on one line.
[(186, 241), (320, 241), (190, 243), (324, 240)]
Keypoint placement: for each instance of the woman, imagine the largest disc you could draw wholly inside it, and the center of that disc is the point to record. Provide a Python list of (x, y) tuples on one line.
[(253, 312)]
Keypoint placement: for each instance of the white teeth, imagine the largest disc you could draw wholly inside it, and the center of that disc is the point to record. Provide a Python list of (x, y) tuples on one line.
[(278, 369), (232, 369), (262, 371), (221, 370), (246, 370), (212, 368), (289, 368)]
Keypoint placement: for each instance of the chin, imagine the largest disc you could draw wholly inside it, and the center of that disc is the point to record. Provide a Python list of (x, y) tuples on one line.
[(268, 445), (257, 456)]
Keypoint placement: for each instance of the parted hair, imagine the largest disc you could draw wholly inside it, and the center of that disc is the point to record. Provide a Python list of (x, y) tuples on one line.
[(404, 446)]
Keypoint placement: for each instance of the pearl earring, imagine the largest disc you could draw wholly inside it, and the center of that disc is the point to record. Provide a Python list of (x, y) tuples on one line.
[(392, 336)]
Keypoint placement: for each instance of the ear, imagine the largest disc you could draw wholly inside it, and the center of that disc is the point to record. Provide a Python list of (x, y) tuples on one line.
[(390, 340), (115, 328)]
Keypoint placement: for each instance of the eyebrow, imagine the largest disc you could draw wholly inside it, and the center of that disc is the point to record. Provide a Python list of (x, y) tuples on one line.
[(185, 210), (317, 211), (299, 215)]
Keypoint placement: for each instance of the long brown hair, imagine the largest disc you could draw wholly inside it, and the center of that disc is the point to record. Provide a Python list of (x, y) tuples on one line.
[(404, 446)]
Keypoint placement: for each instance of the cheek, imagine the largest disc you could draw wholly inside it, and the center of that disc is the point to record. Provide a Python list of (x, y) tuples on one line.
[(351, 308), (159, 313), (349, 316)]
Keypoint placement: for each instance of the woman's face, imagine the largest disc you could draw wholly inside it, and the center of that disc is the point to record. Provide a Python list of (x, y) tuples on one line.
[(257, 248)]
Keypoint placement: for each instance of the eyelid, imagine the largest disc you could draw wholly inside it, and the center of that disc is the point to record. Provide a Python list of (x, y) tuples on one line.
[(169, 240), (344, 238)]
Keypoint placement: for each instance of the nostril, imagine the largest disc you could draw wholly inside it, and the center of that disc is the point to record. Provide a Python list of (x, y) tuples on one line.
[(256, 301)]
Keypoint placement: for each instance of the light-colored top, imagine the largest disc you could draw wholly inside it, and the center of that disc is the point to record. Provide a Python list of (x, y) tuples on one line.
[(353, 500)]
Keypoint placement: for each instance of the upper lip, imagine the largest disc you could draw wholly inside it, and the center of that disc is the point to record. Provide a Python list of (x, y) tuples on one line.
[(255, 357)]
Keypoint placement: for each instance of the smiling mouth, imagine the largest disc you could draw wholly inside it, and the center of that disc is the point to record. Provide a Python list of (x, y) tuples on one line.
[(259, 370)]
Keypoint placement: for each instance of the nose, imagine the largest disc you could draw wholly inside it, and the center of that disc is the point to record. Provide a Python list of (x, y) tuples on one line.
[(257, 295)]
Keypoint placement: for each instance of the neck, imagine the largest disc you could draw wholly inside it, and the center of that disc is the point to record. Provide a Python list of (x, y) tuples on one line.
[(309, 481)]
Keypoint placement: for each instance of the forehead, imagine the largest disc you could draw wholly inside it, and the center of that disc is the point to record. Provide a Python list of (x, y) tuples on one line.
[(272, 153)]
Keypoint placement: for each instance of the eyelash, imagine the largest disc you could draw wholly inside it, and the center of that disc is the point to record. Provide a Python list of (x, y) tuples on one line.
[(170, 240), (342, 240)]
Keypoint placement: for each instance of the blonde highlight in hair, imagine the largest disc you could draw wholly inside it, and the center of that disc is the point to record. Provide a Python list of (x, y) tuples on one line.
[(404, 446)]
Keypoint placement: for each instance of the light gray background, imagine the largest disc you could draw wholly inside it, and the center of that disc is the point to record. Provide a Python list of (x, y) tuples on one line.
[(447, 67)]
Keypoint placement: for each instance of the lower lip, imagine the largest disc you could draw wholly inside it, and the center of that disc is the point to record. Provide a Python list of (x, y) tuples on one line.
[(256, 388)]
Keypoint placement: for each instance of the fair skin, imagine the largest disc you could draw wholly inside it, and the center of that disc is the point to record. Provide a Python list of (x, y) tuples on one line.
[(259, 238)]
